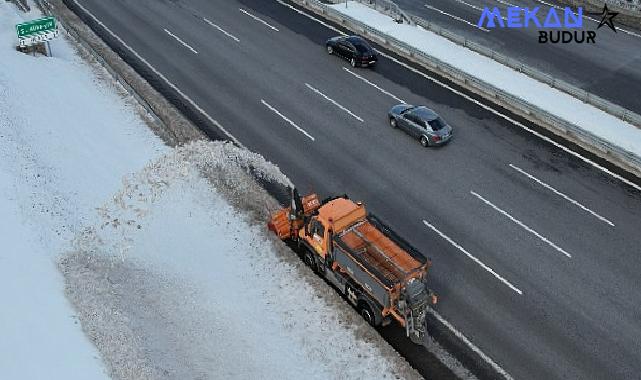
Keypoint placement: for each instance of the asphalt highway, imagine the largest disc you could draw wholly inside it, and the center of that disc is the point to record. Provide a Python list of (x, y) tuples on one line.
[(536, 252), (609, 68)]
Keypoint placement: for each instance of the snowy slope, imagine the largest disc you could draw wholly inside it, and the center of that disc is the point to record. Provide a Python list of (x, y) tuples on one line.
[(247, 308), (40, 339), (162, 254), (547, 98), (57, 128)]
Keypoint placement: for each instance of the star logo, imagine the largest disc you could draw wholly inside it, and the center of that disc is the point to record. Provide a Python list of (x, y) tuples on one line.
[(606, 17)]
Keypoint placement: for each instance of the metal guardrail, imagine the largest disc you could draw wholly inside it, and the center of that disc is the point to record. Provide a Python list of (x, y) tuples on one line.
[(633, 6), (22, 4), (584, 96), (618, 155), (387, 7)]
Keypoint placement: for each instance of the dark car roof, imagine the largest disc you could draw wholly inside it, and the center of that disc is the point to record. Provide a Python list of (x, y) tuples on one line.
[(357, 40), (425, 113)]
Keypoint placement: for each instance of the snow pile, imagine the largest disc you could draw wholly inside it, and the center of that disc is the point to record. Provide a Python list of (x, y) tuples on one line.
[(231, 170), (534, 92), (230, 281), (170, 270)]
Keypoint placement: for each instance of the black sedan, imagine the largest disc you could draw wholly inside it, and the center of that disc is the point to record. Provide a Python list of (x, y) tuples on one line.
[(420, 122), (353, 48)]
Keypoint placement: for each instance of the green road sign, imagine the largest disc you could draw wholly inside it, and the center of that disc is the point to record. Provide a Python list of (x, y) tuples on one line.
[(34, 27)]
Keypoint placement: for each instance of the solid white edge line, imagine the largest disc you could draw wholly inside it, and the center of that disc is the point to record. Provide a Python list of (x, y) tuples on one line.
[(506, 3), (259, 20), (473, 258), (334, 102), (221, 30), (471, 345), (161, 76), (182, 42), (281, 2), (555, 191), (375, 86), (274, 110), (521, 224), (457, 18), (485, 107)]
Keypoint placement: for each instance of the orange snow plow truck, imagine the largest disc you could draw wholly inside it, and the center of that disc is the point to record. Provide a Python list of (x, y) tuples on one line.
[(381, 274)]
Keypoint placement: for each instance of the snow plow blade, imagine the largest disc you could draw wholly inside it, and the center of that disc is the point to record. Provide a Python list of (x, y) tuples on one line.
[(286, 221)]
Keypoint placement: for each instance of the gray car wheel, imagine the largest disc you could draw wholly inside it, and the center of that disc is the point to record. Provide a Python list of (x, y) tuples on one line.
[(330, 50), (424, 141), (392, 122)]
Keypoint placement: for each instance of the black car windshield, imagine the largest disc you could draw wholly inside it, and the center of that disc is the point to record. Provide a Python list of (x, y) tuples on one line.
[(407, 110), (436, 124)]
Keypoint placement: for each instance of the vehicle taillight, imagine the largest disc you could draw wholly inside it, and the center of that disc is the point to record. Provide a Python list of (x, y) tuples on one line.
[(437, 138)]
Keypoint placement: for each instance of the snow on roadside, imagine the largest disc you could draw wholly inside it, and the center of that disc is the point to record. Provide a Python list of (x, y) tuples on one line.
[(59, 132), (169, 271), (39, 338), (547, 98), (241, 286)]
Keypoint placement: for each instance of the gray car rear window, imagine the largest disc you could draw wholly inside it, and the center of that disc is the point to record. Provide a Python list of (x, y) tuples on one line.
[(436, 124)]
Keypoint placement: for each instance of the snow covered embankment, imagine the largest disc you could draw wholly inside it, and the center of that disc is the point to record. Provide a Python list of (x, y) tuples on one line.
[(170, 272), (197, 289)]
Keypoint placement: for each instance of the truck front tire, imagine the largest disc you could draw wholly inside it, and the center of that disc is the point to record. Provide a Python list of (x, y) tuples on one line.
[(309, 260)]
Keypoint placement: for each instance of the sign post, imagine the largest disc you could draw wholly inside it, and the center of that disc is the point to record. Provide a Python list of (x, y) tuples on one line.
[(36, 31)]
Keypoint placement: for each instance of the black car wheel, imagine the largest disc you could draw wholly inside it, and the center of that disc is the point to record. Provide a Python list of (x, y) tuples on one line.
[(424, 141), (330, 50), (392, 122), (353, 62)]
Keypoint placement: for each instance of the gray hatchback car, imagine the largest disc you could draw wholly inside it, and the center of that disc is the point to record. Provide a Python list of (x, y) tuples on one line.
[(422, 123)]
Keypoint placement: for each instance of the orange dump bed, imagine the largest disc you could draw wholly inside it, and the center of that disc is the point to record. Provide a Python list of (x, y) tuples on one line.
[(376, 251)]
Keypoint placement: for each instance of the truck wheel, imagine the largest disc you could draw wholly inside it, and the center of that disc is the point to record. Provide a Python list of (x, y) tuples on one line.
[(309, 260), (367, 314), (416, 338)]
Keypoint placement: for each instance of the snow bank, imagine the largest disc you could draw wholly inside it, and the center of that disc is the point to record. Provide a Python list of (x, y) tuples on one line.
[(169, 271), (40, 338), (545, 97), (206, 273), (60, 131)]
